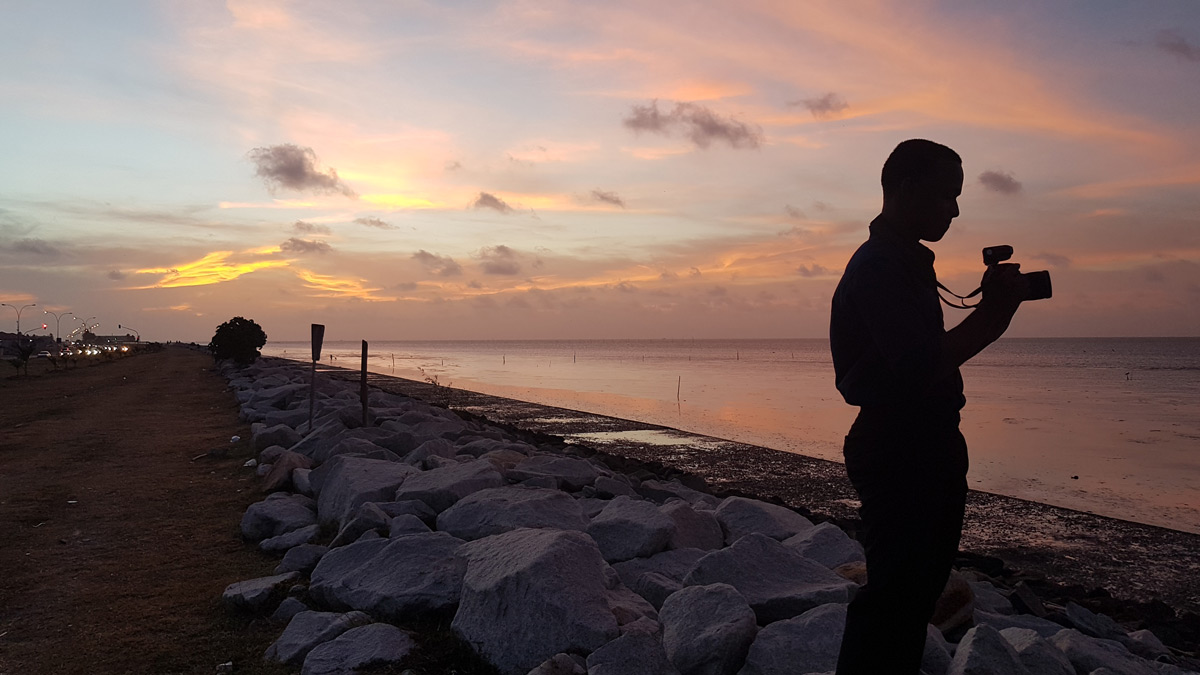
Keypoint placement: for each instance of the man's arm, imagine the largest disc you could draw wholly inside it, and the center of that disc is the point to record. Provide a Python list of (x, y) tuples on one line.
[(1003, 291)]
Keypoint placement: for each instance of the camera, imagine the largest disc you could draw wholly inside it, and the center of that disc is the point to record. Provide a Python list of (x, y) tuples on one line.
[(1039, 282)]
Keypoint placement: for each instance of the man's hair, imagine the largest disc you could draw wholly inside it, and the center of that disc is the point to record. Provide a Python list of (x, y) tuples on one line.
[(915, 159)]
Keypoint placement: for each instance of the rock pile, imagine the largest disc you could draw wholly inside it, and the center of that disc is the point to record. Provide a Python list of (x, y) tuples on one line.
[(547, 562)]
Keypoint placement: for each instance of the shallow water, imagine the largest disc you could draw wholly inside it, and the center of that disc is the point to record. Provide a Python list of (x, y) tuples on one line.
[(1121, 415)]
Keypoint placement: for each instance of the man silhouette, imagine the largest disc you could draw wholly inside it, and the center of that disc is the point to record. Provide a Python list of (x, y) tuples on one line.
[(894, 359)]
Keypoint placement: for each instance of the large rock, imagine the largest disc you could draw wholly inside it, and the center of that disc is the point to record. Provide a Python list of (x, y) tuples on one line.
[(282, 468), (278, 514), (808, 643), (661, 490), (369, 517), (413, 575), (562, 664), (1036, 653), (629, 607), (302, 559), (1094, 625), (337, 564), (693, 529), (707, 630), (306, 630), (530, 594), (503, 509), (657, 577), (258, 595), (777, 582), (1088, 654), (740, 516), (630, 528), (375, 645), (983, 651), (631, 654), (441, 488), (827, 544), (353, 481), (1043, 627), (346, 444), (280, 434), (572, 474), (290, 540), (316, 442), (935, 659)]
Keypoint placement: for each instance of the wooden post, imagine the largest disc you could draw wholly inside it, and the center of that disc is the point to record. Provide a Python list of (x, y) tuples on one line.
[(318, 337), (362, 394)]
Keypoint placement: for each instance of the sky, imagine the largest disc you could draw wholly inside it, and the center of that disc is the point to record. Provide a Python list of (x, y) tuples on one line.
[(525, 170)]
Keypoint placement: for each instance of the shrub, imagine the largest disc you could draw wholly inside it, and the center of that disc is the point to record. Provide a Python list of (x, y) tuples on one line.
[(238, 339)]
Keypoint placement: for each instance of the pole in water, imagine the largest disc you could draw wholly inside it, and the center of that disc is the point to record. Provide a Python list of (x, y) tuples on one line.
[(318, 337), (362, 392), (572, 357), (503, 359), (738, 356), (678, 385)]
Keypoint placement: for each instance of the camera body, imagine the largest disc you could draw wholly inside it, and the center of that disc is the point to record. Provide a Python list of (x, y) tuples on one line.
[(1039, 282)]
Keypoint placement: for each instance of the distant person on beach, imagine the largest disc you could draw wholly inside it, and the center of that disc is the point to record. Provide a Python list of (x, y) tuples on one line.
[(894, 359)]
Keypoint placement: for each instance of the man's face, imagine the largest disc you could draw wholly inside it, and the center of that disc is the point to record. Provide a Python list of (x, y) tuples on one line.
[(930, 204)]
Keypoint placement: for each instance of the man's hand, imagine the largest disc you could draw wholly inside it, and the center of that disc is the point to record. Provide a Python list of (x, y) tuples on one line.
[(1004, 287)]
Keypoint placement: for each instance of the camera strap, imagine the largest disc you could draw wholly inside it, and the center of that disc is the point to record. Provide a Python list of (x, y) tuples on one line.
[(962, 299)]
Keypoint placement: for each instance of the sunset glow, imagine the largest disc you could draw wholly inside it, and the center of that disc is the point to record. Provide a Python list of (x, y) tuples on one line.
[(578, 170)]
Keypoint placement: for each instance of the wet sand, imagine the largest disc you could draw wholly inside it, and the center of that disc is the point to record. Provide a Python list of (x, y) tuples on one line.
[(1079, 553)]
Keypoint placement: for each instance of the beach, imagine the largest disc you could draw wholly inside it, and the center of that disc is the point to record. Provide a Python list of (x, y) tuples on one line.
[(1108, 426), (123, 490)]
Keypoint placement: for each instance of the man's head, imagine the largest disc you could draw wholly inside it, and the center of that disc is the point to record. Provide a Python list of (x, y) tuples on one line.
[(921, 184)]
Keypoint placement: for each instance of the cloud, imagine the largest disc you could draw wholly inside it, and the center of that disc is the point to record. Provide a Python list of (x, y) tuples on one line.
[(440, 265), (38, 247), (824, 107), (301, 227), (794, 212), (1053, 259), (500, 260), (116, 275), (608, 198), (291, 167), (453, 165), (213, 268), (813, 270), (695, 273), (488, 200), (700, 124), (1172, 42), (375, 222), (302, 246), (1000, 181), (474, 283)]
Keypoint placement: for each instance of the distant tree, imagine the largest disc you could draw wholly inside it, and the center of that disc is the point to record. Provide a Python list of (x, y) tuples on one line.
[(238, 339)]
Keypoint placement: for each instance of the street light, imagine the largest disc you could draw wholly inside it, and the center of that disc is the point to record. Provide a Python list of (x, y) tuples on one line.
[(136, 334), (23, 307), (58, 323), (85, 326)]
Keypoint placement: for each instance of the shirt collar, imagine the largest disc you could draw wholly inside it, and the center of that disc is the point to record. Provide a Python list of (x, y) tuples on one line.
[(883, 234)]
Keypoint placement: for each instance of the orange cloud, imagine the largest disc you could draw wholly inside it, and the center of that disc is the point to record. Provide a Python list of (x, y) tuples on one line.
[(1185, 176), (332, 287), (213, 268)]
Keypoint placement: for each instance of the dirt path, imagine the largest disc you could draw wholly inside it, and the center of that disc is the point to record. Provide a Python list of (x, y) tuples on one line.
[(115, 545)]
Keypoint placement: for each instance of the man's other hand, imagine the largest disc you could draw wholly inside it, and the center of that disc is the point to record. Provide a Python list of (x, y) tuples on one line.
[(1004, 287)]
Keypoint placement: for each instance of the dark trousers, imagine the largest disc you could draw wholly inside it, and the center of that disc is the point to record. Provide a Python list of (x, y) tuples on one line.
[(910, 474)]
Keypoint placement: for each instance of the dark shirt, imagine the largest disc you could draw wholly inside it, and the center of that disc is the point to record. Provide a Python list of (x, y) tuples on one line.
[(886, 329)]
